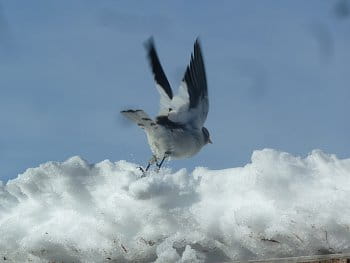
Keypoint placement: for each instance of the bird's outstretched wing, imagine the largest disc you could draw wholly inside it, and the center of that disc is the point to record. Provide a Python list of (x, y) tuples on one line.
[(162, 83), (191, 105)]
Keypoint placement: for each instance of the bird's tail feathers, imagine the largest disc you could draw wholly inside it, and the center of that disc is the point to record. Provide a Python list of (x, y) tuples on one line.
[(140, 118)]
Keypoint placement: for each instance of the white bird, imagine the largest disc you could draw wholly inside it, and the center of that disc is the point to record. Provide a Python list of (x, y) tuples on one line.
[(178, 131)]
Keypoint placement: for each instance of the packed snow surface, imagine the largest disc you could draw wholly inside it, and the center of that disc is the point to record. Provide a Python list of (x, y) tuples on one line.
[(277, 205)]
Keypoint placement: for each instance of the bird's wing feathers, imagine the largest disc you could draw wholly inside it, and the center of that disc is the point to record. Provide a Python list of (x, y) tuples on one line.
[(162, 83), (191, 105), (195, 78)]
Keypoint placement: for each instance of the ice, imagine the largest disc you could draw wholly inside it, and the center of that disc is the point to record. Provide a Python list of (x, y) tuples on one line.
[(277, 205)]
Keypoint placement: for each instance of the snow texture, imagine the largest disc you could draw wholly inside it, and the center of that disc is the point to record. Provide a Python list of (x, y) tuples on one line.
[(276, 206)]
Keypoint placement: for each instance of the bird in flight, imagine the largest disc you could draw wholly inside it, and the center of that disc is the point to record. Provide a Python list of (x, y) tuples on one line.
[(177, 132)]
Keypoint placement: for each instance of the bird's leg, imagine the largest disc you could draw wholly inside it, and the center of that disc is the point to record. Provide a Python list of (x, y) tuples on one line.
[(166, 155), (150, 162), (161, 162)]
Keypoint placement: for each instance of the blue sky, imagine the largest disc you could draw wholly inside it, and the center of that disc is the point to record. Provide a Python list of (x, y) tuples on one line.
[(278, 75)]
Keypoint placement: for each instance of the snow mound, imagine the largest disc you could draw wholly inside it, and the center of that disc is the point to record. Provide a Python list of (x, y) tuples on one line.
[(277, 205)]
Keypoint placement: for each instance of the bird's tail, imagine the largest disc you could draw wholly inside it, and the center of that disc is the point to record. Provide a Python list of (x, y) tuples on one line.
[(141, 118)]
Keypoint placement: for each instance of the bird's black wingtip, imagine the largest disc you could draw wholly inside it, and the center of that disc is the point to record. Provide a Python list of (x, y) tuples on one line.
[(129, 111), (197, 44), (149, 43), (197, 41)]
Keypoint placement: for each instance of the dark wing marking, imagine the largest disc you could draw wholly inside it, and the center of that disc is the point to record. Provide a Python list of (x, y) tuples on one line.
[(195, 77), (158, 73), (164, 121), (130, 111)]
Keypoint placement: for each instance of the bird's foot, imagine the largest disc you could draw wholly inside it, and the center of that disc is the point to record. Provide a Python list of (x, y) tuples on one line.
[(153, 160), (150, 162), (142, 170)]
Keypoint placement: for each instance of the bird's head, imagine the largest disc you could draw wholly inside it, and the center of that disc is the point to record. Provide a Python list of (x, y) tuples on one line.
[(206, 135)]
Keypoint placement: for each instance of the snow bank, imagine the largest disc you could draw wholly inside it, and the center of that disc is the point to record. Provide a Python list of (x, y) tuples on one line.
[(277, 205)]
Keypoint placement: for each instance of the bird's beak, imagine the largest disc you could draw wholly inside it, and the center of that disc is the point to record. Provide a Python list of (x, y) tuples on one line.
[(209, 141)]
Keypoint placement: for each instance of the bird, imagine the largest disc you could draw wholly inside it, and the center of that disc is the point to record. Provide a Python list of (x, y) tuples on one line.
[(178, 131)]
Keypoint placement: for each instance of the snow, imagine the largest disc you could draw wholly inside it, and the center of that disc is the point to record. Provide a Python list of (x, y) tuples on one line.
[(276, 206)]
